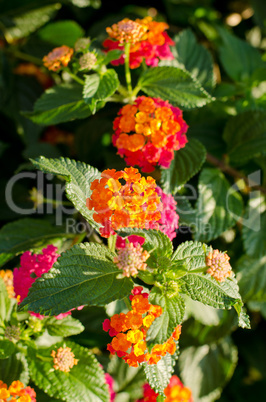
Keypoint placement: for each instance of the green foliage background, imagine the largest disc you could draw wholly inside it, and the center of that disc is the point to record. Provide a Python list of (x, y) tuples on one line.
[(218, 78)]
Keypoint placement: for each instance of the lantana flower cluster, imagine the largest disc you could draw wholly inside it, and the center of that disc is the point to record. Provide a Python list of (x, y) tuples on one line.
[(219, 266), (131, 259), (148, 132), (32, 266), (117, 205), (64, 359), (129, 332), (58, 58), (148, 39), (17, 392), (7, 276), (174, 392)]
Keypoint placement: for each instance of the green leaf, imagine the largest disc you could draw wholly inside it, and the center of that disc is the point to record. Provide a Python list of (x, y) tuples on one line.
[(5, 301), (127, 379), (239, 58), (190, 254), (187, 215), (158, 375), (175, 85), (156, 242), (207, 325), (245, 135), (78, 176), (85, 380), (14, 368), (108, 83), (7, 348), (58, 33), (67, 326), (207, 290), (195, 58), (59, 104), (254, 226), (91, 85), (85, 274), (251, 276), (25, 23), (186, 164), (24, 234), (112, 55), (173, 314), (218, 206), (206, 369)]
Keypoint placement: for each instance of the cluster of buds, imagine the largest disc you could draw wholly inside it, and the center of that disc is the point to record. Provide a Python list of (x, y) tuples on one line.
[(87, 61), (131, 259), (148, 41), (129, 332), (58, 58), (174, 392), (7, 276), (219, 266), (148, 132), (12, 333), (17, 392), (64, 359), (117, 206)]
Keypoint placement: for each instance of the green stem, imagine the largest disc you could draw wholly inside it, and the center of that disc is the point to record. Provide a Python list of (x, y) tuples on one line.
[(135, 91), (55, 203), (23, 56), (115, 98), (127, 68), (44, 359), (112, 242), (122, 90), (127, 303), (75, 78)]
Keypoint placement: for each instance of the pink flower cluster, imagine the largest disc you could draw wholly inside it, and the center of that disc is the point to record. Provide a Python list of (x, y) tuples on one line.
[(32, 266), (110, 383), (169, 218), (148, 132)]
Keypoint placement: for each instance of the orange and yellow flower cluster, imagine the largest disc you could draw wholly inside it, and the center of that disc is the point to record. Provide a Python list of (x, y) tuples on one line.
[(64, 359), (148, 132), (7, 276), (17, 392), (58, 58), (148, 39), (174, 392), (219, 266), (131, 259), (117, 205), (129, 332)]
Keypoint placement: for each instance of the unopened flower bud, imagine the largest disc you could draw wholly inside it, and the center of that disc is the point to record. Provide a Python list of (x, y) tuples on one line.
[(87, 61), (82, 44), (12, 333)]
